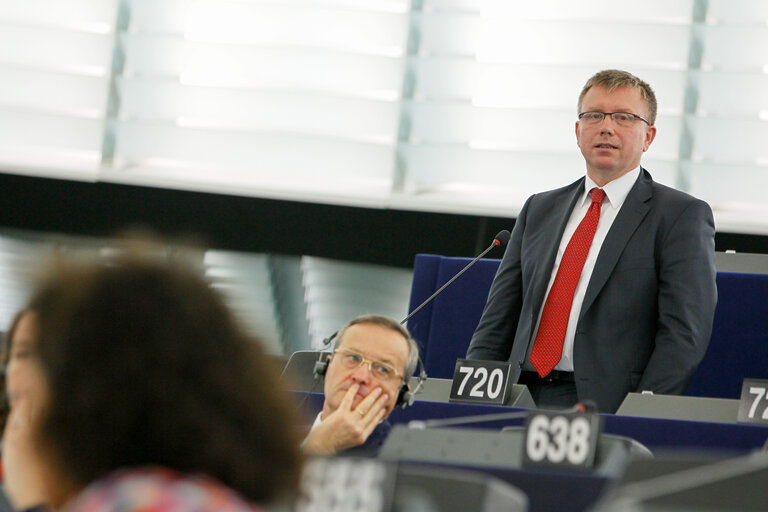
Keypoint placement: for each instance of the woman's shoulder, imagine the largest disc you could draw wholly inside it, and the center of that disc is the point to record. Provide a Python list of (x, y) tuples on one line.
[(157, 489)]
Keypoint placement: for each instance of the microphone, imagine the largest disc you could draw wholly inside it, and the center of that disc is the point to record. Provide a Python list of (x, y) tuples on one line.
[(327, 341), (585, 407), (500, 240)]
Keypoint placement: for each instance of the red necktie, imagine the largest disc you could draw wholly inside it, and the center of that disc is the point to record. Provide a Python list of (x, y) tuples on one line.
[(548, 347)]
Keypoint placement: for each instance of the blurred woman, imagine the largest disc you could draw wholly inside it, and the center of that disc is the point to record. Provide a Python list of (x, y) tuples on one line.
[(24, 327), (20, 371), (141, 393)]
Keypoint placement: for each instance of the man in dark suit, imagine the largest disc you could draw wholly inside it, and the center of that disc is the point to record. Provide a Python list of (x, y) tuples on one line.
[(607, 285)]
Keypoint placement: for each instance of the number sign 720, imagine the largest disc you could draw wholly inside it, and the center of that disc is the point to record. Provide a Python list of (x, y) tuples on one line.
[(480, 381), (494, 383)]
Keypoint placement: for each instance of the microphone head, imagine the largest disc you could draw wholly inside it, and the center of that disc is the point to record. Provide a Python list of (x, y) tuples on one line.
[(327, 341), (587, 406), (501, 238)]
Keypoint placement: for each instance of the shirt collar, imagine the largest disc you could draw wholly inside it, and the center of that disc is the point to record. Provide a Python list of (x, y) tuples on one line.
[(616, 191)]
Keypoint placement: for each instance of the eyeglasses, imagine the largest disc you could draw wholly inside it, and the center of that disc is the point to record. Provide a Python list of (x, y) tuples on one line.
[(625, 119), (353, 360)]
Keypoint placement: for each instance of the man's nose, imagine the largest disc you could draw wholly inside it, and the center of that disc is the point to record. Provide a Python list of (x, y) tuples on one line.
[(362, 373), (606, 125)]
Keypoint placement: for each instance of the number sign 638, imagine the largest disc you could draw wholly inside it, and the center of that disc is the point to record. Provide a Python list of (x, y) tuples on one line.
[(566, 440)]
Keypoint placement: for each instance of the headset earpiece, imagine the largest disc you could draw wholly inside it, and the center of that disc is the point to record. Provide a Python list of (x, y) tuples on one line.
[(321, 367), (406, 397)]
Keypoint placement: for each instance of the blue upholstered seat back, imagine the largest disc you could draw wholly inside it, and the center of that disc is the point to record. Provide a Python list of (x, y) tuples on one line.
[(738, 348)]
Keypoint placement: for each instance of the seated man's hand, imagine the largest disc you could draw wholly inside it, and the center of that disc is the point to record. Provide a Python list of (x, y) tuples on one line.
[(347, 426)]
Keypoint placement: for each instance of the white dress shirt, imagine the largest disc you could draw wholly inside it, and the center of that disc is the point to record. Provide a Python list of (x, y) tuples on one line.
[(616, 192)]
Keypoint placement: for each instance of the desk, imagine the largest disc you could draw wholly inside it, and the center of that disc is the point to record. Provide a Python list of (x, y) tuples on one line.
[(554, 491), (657, 434)]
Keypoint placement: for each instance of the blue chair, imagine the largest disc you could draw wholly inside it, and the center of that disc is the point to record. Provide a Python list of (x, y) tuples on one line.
[(738, 348)]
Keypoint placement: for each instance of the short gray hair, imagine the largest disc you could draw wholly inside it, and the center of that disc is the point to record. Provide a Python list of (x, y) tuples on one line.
[(384, 321)]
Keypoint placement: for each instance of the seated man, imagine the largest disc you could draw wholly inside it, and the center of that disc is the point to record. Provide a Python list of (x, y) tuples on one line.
[(372, 362)]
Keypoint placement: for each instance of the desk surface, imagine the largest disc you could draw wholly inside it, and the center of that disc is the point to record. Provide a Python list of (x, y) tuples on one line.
[(655, 433)]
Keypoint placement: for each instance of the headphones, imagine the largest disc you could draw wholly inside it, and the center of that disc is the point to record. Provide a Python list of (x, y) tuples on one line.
[(405, 396)]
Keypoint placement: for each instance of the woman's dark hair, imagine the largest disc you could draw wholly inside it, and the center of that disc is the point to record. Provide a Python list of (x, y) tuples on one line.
[(146, 366)]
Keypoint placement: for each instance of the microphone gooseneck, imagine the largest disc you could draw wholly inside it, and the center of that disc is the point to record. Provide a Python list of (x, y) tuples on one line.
[(501, 238), (586, 407)]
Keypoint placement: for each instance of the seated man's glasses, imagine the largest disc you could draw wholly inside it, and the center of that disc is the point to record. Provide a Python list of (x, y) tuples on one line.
[(625, 119), (352, 360)]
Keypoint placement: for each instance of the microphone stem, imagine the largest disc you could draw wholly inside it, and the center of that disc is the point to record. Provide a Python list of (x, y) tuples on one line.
[(465, 420), (494, 244)]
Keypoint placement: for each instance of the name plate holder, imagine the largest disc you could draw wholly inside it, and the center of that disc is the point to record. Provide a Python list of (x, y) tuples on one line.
[(486, 448), (676, 407), (561, 440), (341, 484), (753, 405), (481, 382)]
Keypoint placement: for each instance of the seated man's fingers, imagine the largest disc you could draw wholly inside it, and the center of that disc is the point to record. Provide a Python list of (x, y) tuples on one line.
[(371, 426), (349, 397), (377, 411), (366, 403)]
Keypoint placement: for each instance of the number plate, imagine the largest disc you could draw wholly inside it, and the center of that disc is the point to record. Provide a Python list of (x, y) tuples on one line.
[(753, 406), (481, 382), (345, 484), (561, 440)]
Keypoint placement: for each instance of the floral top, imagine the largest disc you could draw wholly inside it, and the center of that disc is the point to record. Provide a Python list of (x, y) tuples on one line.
[(155, 489)]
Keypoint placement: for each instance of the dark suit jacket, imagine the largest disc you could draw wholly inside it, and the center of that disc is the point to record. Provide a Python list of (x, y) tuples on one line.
[(647, 314)]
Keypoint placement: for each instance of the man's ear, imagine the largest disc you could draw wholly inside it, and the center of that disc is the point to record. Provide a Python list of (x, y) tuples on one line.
[(650, 134)]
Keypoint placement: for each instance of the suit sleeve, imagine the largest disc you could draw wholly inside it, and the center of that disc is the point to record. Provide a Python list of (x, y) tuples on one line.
[(495, 333), (687, 296)]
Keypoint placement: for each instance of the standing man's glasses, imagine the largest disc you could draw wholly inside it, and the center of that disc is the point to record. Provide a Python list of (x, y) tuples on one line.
[(620, 118)]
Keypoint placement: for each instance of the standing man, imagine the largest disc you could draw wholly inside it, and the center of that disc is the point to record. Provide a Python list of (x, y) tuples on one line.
[(372, 362), (607, 285)]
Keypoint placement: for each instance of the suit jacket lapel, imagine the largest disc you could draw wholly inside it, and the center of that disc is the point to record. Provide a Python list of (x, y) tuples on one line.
[(633, 211)]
